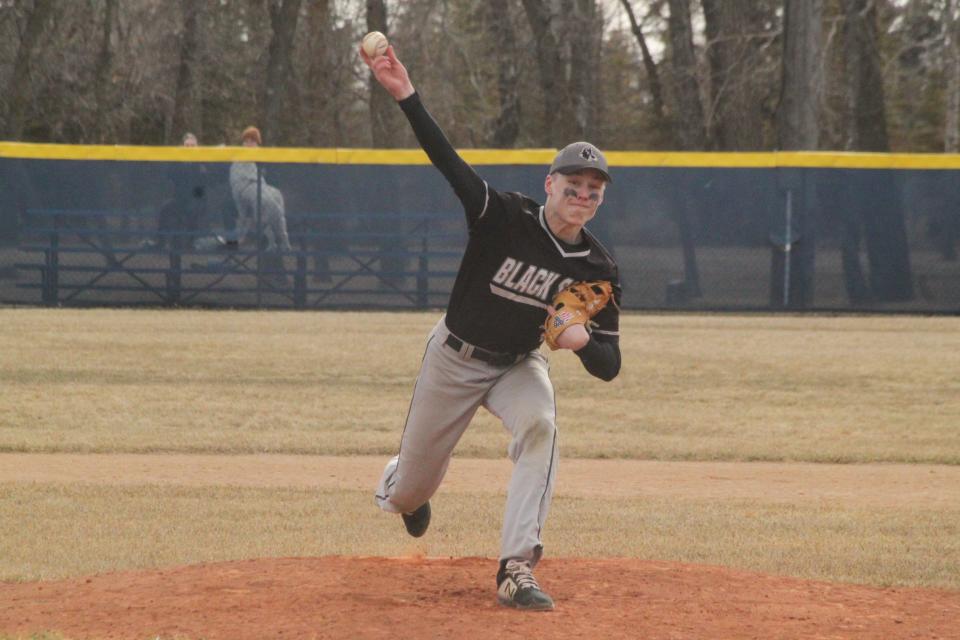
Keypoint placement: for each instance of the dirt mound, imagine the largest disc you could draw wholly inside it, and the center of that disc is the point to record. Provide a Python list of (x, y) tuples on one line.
[(337, 597)]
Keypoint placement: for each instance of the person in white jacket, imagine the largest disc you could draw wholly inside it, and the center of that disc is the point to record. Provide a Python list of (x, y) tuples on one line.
[(243, 186)]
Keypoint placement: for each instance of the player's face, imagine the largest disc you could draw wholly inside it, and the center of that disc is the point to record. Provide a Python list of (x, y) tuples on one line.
[(575, 197)]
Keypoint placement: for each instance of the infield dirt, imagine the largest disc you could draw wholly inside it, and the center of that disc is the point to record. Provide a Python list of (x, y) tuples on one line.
[(426, 597), (337, 597)]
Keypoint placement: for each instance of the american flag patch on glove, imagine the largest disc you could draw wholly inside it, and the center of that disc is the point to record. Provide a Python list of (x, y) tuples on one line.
[(562, 318)]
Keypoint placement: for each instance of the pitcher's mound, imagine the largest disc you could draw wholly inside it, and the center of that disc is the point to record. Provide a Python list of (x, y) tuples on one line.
[(336, 597)]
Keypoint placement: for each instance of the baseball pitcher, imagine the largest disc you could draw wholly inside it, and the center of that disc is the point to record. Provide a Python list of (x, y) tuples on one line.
[(529, 274)]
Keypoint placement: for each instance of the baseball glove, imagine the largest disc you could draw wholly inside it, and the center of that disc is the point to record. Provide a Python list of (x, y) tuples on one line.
[(576, 304)]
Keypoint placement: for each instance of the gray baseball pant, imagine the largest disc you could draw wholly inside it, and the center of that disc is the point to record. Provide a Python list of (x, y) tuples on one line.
[(450, 387), (272, 216)]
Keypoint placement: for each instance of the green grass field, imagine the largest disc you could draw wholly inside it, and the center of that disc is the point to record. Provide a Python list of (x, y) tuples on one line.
[(693, 387)]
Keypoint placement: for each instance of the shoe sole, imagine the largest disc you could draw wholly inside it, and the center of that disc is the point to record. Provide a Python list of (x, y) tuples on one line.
[(533, 607)]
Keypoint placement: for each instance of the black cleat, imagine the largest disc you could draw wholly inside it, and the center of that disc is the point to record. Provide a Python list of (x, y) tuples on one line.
[(517, 588), (418, 521)]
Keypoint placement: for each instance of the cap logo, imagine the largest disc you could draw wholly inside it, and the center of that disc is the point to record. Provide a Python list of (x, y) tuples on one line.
[(588, 154)]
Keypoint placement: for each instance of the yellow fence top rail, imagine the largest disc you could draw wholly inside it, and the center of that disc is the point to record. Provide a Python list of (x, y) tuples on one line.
[(761, 160)]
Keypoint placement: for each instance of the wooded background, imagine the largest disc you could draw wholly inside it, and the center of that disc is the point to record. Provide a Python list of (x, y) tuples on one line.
[(730, 75)]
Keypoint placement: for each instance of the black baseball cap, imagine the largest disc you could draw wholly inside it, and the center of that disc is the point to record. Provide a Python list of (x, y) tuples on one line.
[(579, 156)]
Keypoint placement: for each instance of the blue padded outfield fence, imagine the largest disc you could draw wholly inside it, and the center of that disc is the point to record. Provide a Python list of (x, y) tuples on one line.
[(99, 225)]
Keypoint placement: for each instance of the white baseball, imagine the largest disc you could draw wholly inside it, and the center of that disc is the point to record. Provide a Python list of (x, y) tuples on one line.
[(374, 44), (573, 337)]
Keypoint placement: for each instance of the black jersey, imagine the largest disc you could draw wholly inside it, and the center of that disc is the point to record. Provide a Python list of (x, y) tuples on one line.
[(513, 264), (512, 268)]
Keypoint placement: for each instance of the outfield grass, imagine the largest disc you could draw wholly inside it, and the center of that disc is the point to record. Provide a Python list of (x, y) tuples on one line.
[(693, 387)]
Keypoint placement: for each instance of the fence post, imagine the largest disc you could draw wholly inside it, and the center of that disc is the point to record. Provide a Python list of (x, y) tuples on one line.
[(258, 243), (52, 266), (173, 276), (423, 269), (300, 282)]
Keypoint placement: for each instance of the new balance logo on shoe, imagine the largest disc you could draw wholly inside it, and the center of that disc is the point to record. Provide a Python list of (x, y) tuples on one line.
[(517, 588)]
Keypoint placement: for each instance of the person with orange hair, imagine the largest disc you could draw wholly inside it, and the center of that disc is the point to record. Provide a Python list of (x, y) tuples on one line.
[(253, 135), (244, 177)]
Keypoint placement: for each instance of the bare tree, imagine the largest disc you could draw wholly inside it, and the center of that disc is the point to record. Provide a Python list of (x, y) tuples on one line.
[(102, 73), (802, 75), (506, 124), (583, 24), (280, 63), (864, 77), (568, 36), (740, 77), (791, 281), (877, 213), (186, 105), (319, 109), (280, 102), (383, 110), (19, 88), (689, 135), (543, 19), (653, 76), (688, 120), (951, 133)]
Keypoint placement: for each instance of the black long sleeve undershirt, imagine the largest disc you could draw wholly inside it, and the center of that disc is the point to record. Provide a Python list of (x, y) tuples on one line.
[(468, 186), (601, 359)]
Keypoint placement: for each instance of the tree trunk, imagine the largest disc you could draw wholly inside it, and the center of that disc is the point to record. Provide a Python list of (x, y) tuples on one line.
[(736, 115), (383, 108), (506, 125), (878, 209), (791, 285), (951, 134), (865, 82), (102, 74), (583, 24), (689, 135), (187, 115), (559, 124), (568, 35), (649, 66), (320, 112), (689, 130), (280, 105), (802, 77), (19, 88)]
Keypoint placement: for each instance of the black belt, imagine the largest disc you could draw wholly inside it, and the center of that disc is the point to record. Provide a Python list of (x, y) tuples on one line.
[(495, 358)]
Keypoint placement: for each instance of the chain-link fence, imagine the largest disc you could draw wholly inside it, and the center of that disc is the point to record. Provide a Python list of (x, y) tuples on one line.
[(103, 226)]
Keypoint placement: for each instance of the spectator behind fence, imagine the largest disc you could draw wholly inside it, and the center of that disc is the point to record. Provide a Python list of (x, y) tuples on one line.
[(243, 184), (181, 214)]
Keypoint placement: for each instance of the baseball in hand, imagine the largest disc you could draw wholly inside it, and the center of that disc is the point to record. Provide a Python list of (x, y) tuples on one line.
[(374, 44), (574, 337)]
